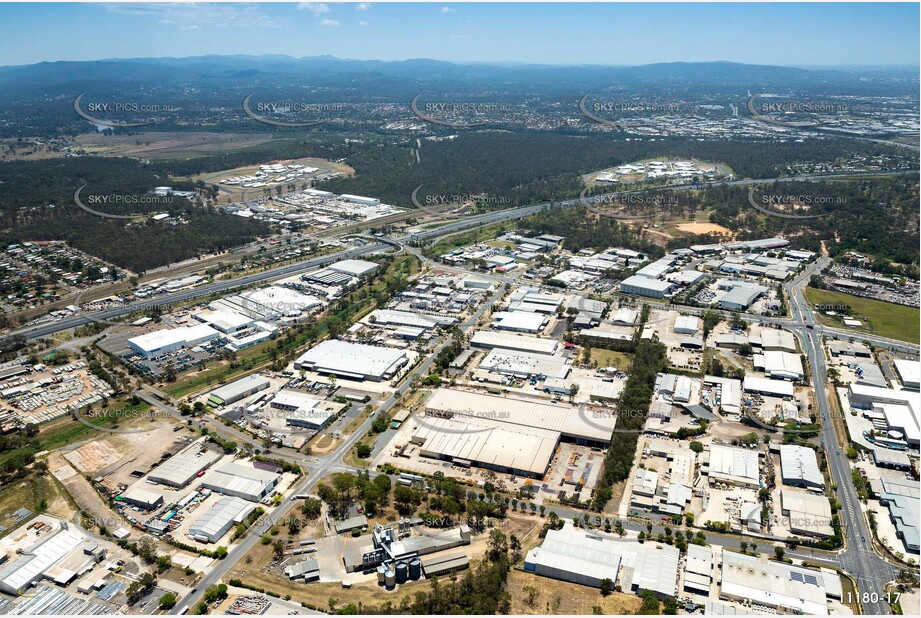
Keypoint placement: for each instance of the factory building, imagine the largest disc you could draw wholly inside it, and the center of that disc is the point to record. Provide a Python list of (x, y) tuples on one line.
[(687, 325), (220, 518), (892, 411), (237, 390), (799, 467), (643, 286), (909, 373), (355, 361), (181, 468), (242, 481), (768, 387), (55, 550), (142, 498), (172, 339), (783, 587), (525, 365), (780, 365), (519, 321), (302, 409), (521, 343), (741, 297), (806, 513), (734, 466), (503, 434), (588, 558)]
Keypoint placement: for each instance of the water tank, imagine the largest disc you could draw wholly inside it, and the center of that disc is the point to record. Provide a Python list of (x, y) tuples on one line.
[(390, 578), (402, 572), (380, 573), (415, 568)]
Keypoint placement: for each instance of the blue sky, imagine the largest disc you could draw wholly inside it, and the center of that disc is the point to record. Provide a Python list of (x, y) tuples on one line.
[(819, 34)]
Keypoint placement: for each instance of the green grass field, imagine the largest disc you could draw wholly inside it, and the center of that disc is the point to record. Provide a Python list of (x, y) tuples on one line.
[(884, 319)]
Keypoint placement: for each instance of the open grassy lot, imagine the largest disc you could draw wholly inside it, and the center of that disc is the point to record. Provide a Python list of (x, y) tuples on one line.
[(38, 492), (556, 597), (884, 319), (610, 358)]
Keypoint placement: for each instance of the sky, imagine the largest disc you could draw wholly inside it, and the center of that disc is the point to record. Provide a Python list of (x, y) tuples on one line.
[(788, 34)]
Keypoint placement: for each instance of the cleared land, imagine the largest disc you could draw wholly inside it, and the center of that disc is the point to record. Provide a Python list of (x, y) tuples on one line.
[(556, 597), (610, 358), (169, 145), (704, 228), (884, 319)]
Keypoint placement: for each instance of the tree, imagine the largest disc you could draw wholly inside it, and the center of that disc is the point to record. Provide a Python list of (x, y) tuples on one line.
[(278, 548), (167, 601), (498, 545), (779, 552), (607, 586), (696, 446)]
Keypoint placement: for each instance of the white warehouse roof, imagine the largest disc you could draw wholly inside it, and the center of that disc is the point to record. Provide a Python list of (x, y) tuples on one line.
[(525, 343), (352, 359)]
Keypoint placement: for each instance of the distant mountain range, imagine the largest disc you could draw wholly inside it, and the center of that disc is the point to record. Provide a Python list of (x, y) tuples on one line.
[(66, 77)]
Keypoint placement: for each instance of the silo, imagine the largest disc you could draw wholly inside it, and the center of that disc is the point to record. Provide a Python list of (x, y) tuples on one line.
[(415, 568), (380, 573), (390, 578), (402, 572)]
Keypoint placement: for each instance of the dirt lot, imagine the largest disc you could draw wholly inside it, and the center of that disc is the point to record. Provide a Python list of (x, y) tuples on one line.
[(704, 228), (556, 597), (30, 493)]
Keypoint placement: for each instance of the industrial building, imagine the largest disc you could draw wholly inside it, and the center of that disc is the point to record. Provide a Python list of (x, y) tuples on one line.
[(806, 513), (303, 410), (237, 390), (181, 468), (734, 466), (909, 373), (519, 321), (740, 295), (525, 365), (772, 339), (142, 498), (775, 585), (522, 343), (356, 361), (698, 570), (799, 467), (354, 268), (895, 413), (687, 325), (389, 317), (242, 481), (780, 365), (306, 570), (900, 495), (504, 434), (588, 558), (172, 339), (226, 513), (767, 387), (47, 549), (643, 286)]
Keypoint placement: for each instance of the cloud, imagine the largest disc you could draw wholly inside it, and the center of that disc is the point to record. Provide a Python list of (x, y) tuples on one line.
[(329, 22), (362, 24), (362, 6), (314, 7), (447, 9), (184, 15)]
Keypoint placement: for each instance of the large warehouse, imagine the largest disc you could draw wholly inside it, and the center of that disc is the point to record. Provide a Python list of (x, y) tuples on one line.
[(784, 587), (734, 466), (642, 286), (909, 373), (226, 513), (181, 468), (242, 481), (237, 390), (523, 343), (799, 467), (525, 365), (505, 434), (580, 557), (782, 365), (355, 361), (520, 321), (171, 339)]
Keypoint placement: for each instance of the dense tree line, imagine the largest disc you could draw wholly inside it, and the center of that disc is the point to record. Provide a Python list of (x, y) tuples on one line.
[(37, 203), (648, 360), (583, 231), (873, 216)]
